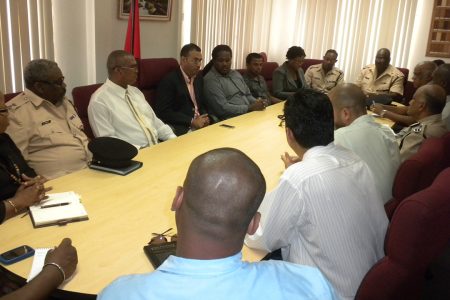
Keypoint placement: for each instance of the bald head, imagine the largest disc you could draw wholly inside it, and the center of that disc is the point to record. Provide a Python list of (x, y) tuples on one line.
[(441, 76), (382, 60), (427, 100), (350, 97), (423, 73), (222, 192)]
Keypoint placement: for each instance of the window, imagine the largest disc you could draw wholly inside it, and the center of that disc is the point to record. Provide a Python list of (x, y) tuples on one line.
[(26, 33)]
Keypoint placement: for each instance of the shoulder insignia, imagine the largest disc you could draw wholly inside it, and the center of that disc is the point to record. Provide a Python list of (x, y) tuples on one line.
[(418, 129), (17, 102)]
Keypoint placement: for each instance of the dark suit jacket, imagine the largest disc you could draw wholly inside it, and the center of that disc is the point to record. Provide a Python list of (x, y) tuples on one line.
[(283, 84), (174, 104)]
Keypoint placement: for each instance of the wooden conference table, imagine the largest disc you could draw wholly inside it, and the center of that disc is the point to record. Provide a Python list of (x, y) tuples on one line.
[(125, 210)]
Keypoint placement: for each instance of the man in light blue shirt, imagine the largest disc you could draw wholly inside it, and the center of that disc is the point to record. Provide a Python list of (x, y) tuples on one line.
[(213, 213)]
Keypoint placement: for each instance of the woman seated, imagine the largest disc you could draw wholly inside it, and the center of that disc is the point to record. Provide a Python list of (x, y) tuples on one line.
[(289, 77), (20, 187)]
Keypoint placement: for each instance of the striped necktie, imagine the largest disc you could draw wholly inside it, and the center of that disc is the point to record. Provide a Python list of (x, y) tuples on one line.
[(148, 130)]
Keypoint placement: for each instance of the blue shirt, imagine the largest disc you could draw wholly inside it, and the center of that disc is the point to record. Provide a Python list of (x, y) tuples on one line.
[(226, 278)]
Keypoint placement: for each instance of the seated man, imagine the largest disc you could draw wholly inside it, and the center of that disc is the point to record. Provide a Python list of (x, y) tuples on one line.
[(442, 77), (325, 76), (44, 124), (381, 78), (425, 108), (357, 131), (179, 100), (423, 74), (325, 211), (255, 82), (225, 89), (212, 219), (120, 110)]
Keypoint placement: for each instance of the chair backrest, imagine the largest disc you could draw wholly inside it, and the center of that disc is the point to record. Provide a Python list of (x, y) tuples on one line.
[(418, 233), (309, 62), (405, 72), (267, 72), (151, 71), (81, 97), (418, 171), (408, 93)]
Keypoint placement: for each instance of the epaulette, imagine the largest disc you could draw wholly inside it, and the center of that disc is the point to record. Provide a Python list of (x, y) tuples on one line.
[(18, 102), (417, 128)]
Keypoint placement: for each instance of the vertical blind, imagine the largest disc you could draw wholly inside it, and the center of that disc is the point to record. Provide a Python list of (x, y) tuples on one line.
[(26, 33), (356, 29)]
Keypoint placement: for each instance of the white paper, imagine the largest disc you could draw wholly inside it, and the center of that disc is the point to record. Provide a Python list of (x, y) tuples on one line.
[(38, 262)]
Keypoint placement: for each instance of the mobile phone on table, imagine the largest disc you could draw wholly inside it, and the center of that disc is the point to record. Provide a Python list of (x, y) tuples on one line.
[(16, 254)]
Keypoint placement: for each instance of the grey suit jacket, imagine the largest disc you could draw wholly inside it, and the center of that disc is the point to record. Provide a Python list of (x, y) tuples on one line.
[(283, 84)]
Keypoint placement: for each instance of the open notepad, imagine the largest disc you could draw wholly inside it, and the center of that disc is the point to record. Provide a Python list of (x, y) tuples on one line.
[(58, 209)]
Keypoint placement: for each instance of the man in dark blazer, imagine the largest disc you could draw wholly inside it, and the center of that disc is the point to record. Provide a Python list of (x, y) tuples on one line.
[(179, 99)]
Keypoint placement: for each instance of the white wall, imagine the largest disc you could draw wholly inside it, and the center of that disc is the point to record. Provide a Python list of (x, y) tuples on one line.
[(86, 31), (158, 39), (420, 35)]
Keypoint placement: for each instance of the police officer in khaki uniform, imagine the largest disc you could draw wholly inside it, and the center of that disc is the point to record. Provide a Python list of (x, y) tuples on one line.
[(381, 78), (425, 108), (44, 124), (324, 77)]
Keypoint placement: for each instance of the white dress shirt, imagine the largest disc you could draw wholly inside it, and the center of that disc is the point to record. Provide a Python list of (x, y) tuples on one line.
[(326, 212), (110, 115), (376, 145)]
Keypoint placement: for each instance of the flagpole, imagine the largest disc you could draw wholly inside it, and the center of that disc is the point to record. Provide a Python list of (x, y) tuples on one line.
[(132, 25)]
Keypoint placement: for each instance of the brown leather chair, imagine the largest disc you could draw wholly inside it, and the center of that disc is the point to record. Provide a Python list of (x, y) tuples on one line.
[(151, 71), (81, 97)]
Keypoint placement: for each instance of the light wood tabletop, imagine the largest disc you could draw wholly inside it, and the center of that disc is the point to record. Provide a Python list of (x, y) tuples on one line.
[(125, 210)]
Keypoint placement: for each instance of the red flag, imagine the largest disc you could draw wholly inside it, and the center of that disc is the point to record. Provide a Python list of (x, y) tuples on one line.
[(133, 39)]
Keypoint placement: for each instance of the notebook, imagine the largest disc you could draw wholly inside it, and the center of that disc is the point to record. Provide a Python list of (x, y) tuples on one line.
[(38, 262), (58, 209)]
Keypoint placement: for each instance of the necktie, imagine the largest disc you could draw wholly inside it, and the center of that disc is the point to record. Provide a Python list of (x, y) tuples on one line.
[(148, 130)]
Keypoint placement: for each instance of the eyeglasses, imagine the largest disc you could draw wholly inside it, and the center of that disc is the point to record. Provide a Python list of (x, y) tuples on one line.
[(282, 120), (59, 82), (161, 238), (134, 67)]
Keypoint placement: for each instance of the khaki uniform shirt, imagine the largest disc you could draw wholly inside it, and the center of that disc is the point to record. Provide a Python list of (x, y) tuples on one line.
[(318, 80), (50, 137), (390, 81), (410, 138)]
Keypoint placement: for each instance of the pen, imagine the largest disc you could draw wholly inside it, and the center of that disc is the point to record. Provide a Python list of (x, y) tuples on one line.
[(55, 205)]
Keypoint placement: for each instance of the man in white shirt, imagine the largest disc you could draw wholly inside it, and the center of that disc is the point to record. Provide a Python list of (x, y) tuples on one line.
[(359, 132), (326, 211), (120, 110)]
